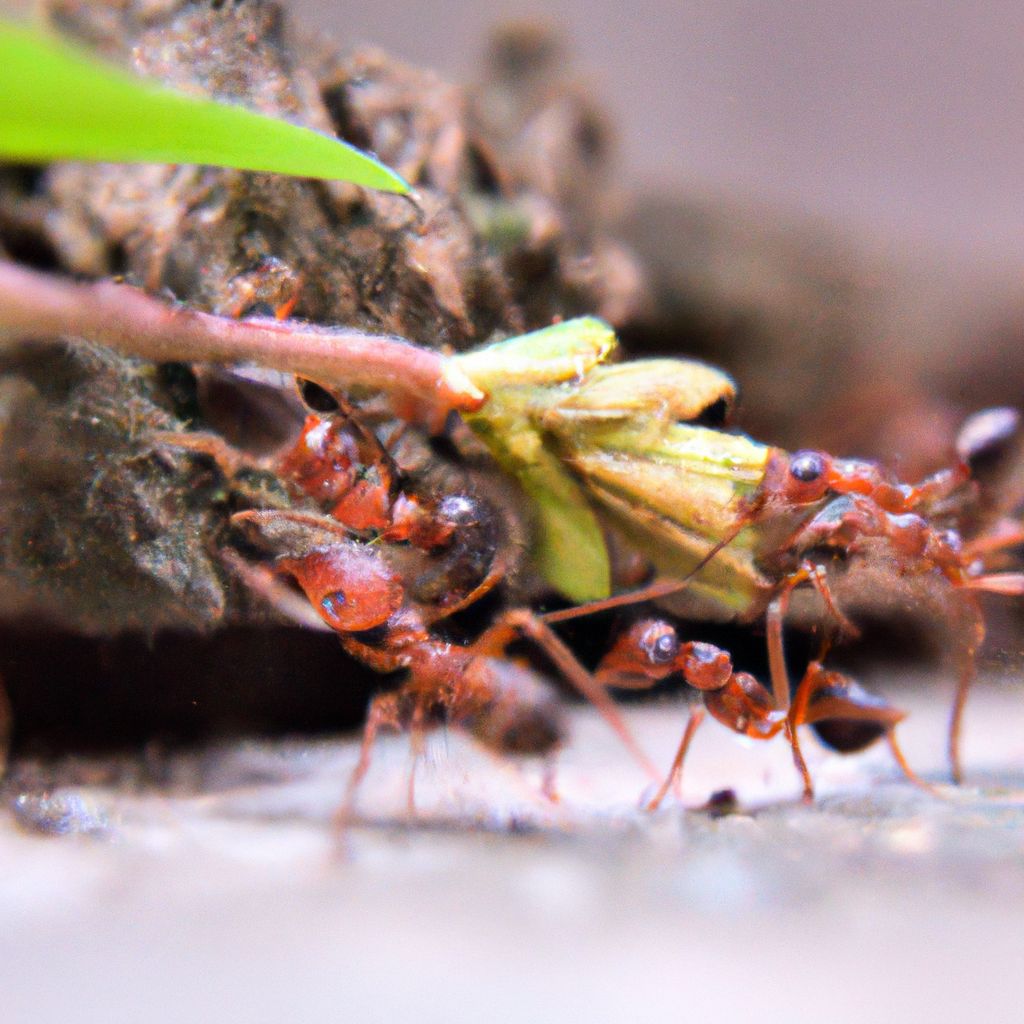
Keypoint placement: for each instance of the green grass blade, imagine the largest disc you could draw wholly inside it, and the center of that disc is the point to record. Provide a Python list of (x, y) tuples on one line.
[(60, 103)]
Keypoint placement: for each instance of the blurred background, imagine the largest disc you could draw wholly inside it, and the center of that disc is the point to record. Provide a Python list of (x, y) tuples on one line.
[(898, 119)]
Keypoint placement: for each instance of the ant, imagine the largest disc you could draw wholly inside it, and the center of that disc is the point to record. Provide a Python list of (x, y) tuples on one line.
[(857, 508), (353, 476), (504, 704), (347, 558), (864, 507), (650, 651)]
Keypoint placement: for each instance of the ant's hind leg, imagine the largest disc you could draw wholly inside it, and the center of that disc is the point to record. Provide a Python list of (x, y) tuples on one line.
[(975, 635), (227, 458), (549, 785), (417, 745)]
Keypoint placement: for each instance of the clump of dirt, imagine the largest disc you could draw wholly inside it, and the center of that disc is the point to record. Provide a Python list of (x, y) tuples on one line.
[(101, 526), (505, 235), (112, 532)]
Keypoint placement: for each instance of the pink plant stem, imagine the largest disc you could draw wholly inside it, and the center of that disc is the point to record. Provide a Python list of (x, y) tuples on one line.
[(423, 384)]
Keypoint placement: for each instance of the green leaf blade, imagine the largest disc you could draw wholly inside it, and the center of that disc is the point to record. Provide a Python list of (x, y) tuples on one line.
[(59, 103)]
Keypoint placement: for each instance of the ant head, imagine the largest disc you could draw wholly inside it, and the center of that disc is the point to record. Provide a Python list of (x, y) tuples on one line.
[(351, 586), (647, 650), (706, 667)]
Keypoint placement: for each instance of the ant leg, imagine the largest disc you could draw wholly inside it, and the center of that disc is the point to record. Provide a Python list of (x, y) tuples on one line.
[(819, 580), (549, 784), (901, 762), (1005, 534), (798, 716), (801, 764), (774, 619), (417, 743), (228, 459), (674, 779), (1009, 584), (976, 634), (520, 622), (956, 718), (383, 714), (650, 592)]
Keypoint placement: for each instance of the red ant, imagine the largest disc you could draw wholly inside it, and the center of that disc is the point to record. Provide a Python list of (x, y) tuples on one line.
[(343, 466), (651, 651), (346, 566), (346, 469), (504, 704), (870, 506), (863, 509)]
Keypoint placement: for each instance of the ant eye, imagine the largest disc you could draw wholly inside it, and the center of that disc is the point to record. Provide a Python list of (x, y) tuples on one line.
[(316, 398), (660, 644), (807, 467), (459, 509), (333, 603)]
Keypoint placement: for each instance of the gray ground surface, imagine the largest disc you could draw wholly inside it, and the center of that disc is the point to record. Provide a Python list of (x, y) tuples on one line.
[(209, 887)]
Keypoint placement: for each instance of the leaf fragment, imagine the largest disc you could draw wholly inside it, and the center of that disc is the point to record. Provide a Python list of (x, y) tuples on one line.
[(58, 102)]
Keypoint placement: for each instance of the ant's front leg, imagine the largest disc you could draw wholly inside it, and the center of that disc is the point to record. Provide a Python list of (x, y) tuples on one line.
[(674, 779), (522, 623)]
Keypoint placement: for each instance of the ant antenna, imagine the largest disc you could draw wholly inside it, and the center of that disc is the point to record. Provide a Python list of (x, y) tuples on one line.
[(653, 591)]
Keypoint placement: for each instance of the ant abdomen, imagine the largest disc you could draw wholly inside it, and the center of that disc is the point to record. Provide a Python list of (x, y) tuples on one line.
[(464, 562), (511, 709), (850, 734)]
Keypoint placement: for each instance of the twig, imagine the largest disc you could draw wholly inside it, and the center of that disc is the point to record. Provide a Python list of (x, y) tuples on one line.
[(424, 385)]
